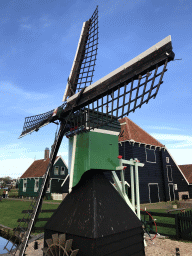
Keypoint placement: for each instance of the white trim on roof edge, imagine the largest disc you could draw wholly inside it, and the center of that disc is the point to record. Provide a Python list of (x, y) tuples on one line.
[(60, 157), (123, 123), (142, 143), (178, 167)]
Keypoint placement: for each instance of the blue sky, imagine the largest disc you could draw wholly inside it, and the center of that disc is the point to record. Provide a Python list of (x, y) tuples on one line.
[(38, 41)]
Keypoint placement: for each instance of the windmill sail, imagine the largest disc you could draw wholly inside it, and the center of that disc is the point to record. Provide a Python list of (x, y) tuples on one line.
[(123, 90), (34, 123), (117, 94), (84, 62), (81, 73)]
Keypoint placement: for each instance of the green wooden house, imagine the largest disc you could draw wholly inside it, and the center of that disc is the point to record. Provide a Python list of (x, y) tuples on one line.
[(30, 182)]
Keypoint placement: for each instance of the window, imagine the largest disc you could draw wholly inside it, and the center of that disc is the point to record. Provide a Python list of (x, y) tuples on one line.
[(175, 187), (167, 160), (36, 187), (169, 173), (49, 186), (62, 170), (150, 155), (56, 170), (24, 185)]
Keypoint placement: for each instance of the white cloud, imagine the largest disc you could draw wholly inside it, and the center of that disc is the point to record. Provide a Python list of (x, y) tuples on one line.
[(179, 141), (8, 88), (181, 156), (14, 167), (162, 128)]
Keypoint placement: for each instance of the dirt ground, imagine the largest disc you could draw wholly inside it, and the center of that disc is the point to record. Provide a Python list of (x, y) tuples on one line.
[(159, 246), (166, 247)]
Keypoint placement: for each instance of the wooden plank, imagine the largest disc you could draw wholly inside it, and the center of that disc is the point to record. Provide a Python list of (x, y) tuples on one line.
[(31, 211), (178, 209), (166, 225), (162, 224), (159, 214), (28, 220)]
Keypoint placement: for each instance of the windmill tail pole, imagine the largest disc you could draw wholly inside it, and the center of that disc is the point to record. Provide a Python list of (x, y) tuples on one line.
[(42, 192)]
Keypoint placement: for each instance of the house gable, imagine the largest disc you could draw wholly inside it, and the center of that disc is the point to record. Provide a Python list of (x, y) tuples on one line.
[(187, 172), (58, 167)]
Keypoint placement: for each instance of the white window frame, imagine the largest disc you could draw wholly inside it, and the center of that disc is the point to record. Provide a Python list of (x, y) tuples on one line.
[(35, 187), (173, 191), (62, 172), (149, 190), (146, 155), (171, 174), (49, 188), (175, 187), (55, 170), (24, 182), (167, 160)]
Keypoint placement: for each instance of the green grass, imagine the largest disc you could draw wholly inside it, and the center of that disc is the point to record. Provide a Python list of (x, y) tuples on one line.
[(11, 211)]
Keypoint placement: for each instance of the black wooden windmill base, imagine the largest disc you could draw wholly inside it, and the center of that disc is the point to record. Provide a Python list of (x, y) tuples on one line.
[(98, 220)]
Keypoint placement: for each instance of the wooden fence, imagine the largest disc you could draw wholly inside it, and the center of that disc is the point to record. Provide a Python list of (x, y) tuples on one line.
[(182, 226)]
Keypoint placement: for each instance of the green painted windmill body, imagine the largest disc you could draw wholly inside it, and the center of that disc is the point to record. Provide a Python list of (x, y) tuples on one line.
[(94, 150)]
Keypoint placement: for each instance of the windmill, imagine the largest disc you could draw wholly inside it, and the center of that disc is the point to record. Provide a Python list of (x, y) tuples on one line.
[(89, 106)]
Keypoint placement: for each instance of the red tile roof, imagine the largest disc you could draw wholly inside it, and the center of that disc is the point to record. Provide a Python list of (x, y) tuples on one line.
[(136, 133), (187, 171), (36, 169)]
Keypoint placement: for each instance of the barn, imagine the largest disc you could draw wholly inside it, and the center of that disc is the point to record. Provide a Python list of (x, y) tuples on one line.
[(161, 179), (32, 178)]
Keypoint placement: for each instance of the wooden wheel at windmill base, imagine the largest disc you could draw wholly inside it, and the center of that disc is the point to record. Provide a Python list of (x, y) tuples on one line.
[(94, 216)]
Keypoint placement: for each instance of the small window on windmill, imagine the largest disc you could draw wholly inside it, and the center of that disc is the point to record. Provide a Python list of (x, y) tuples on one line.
[(167, 160), (175, 187), (56, 170), (62, 170), (150, 155)]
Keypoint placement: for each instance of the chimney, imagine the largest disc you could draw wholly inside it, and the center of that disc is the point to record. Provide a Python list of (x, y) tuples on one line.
[(46, 156)]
